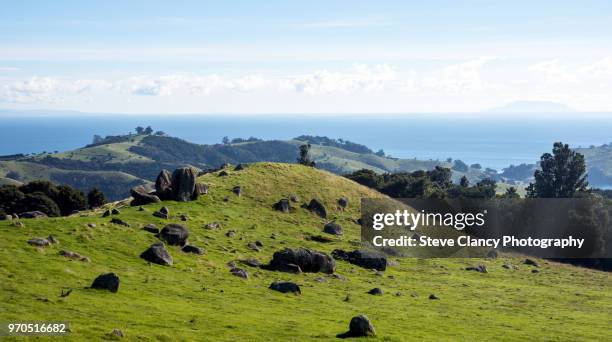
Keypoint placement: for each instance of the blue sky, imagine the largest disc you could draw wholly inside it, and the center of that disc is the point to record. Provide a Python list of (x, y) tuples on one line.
[(296, 57)]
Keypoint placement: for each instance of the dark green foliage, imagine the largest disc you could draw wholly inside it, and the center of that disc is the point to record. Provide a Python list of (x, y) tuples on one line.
[(366, 177), (45, 187), (519, 172), (511, 193), (10, 197), (38, 201), (148, 130), (339, 143), (241, 140), (304, 157), (460, 166), (69, 199), (418, 184), (562, 174), (476, 166), (380, 153), (95, 198), (464, 182), (225, 140), (139, 130)]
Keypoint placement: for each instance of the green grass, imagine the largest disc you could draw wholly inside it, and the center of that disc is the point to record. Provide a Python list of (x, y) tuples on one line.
[(198, 299)]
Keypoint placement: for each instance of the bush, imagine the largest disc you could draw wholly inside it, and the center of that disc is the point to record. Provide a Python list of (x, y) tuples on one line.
[(38, 201), (69, 199), (10, 196), (95, 198)]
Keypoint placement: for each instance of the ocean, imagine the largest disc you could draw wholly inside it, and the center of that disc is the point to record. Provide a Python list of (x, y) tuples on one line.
[(494, 142)]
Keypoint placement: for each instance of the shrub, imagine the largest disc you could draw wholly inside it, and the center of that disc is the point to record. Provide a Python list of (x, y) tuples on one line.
[(38, 201), (95, 198)]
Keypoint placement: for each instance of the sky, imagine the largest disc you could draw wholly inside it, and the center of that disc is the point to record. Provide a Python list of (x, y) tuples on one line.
[(304, 57)]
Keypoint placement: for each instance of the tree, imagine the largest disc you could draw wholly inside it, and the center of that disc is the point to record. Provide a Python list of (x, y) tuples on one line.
[(476, 166), (562, 174), (460, 166), (70, 199), (160, 133), (511, 193), (97, 139), (304, 157), (139, 130), (464, 182), (10, 198), (226, 140), (95, 198), (38, 201), (380, 153), (148, 130)]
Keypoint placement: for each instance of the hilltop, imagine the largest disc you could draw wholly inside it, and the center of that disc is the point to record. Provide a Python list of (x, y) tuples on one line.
[(197, 298), (117, 163)]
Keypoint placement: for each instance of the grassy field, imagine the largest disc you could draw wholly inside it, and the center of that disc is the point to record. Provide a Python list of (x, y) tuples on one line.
[(199, 299)]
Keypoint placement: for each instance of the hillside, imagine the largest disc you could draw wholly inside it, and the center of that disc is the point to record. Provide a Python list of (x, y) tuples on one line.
[(124, 161), (199, 299), (599, 163)]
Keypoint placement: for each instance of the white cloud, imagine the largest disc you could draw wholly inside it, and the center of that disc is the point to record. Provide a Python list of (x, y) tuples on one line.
[(554, 71), (459, 78), (360, 78)]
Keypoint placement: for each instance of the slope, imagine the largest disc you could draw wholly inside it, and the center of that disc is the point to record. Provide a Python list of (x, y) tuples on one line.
[(198, 299)]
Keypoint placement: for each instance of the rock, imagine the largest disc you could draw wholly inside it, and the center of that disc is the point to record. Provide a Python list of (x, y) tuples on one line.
[(119, 221), (160, 215), (253, 246), (307, 260), (14, 216), (183, 184), (223, 173), (343, 202), (492, 254), (174, 234), (32, 214), (226, 199), (239, 272), (319, 238), (192, 249), (285, 287), (39, 242), (151, 228), (212, 225), (294, 198), (163, 185), (237, 190), (251, 262), (142, 197), (183, 217), (200, 189), (157, 254), (116, 333), (224, 166), (359, 326), (73, 255), (317, 207), (433, 297), (106, 213), (239, 167), (258, 243), (363, 258), (535, 271), (332, 228), (115, 211), (376, 291), (52, 239), (230, 233), (531, 262), (479, 268), (506, 266), (91, 225), (141, 209), (74, 212), (107, 281), (282, 205), (18, 224)]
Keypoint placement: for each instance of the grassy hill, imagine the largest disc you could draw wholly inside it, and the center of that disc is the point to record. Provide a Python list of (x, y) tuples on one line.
[(599, 163), (199, 299), (137, 159)]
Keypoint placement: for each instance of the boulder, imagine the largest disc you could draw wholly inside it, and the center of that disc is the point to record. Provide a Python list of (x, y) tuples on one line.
[(251, 262), (115, 211), (282, 205), (531, 262), (285, 287), (72, 255), (192, 249), (479, 268), (343, 202), (32, 214), (174, 234), (142, 197), (237, 190), (160, 215), (376, 291), (239, 272), (183, 184), (212, 225), (239, 167), (200, 189), (157, 254), (294, 198), (107, 281), (119, 221), (223, 173), (305, 259), (230, 233), (106, 213), (360, 326), (163, 185), (151, 228), (52, 239), (433, 297), (39, 242), (253, 246), (332, 228), (317, 207), (363, 258)]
